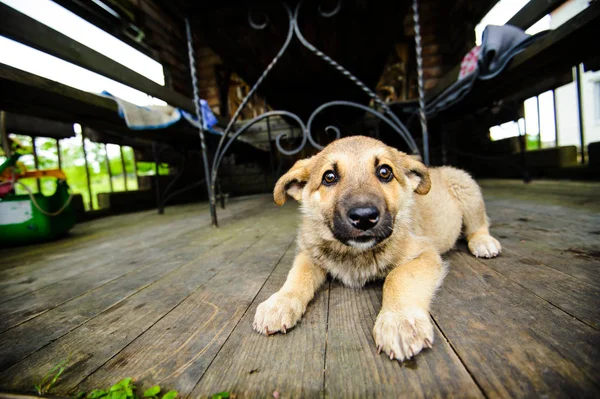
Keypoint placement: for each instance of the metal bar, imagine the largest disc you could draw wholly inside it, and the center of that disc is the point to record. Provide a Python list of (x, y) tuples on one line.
[(87, 169), (123, 167), (36, 163), (555, 118), (421, 81), (271, 151), (58, 153), (209, 187), (110, 182), (580, 112)]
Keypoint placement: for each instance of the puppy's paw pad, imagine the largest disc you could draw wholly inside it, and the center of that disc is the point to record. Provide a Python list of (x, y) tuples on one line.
[(484, 246), (402, 335), (278, 313)]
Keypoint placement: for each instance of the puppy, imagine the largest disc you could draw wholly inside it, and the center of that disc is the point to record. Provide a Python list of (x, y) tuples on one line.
[(373, 212)]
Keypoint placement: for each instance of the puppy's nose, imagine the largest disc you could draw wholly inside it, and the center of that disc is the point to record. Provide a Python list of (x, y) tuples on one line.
[(363, 218)]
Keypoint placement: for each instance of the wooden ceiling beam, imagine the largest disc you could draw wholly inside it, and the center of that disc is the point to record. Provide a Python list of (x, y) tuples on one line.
[(26, 30)]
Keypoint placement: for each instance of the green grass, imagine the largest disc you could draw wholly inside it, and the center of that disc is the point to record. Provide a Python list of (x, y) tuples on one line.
[(51, 377)]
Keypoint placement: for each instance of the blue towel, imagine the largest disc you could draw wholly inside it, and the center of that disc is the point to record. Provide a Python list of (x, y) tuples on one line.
[(208, 117)]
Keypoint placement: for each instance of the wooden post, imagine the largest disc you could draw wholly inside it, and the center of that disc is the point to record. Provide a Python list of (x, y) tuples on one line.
[(539, 122), (123, 167), (110, 183), (58, 153), (87, 169), (4, 135), (36, 163)]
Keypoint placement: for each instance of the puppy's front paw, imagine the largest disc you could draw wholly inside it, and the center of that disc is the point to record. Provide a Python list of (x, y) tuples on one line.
[(403, 334), (484, 246), (278, 313)]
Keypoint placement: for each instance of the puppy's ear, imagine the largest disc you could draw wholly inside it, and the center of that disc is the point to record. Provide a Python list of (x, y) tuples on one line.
[(416, 171), (292, 182)]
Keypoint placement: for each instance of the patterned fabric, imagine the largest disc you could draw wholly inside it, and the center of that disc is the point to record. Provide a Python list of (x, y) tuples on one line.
[(469, 62)]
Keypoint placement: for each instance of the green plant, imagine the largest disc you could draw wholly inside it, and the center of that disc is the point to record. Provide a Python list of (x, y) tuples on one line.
[(51, 377), (221, 395), (125, 389)]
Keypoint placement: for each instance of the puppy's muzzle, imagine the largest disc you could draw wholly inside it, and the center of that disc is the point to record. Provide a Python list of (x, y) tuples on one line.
[(363, 218), (361, 224)]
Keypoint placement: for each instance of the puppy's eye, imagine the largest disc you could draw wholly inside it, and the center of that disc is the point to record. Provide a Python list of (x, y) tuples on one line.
[(384, 173), (329, 178)]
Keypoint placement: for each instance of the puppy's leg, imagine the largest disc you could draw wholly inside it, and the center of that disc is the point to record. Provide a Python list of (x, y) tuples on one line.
[(475, 220), (284, 308), (403, 327)]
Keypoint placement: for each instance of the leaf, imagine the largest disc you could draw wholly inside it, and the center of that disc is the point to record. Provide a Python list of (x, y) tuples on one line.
[(97, 393), (79, 395), (122, 385), (221, 395), (155, 390), (170, 395), (126, 381)]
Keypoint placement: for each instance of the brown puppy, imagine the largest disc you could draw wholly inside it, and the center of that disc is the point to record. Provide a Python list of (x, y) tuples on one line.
[(369, 212)]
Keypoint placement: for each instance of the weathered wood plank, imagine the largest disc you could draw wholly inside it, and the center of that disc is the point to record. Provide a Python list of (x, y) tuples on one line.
[(88, 238), (125, 255), (564, 195), (354, 369), (114, 265), (514, 343), (567, 241), (32, 126), (26, 30), (580, 263), (108, 227), (20, 341), (177, 350), (532, 12), (251, 365), (570, 227), (98, 340), (96, 255), (575, 297)]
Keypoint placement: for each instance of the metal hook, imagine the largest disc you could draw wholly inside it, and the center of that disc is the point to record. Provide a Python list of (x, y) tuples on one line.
[(329, 14), (256, 26)]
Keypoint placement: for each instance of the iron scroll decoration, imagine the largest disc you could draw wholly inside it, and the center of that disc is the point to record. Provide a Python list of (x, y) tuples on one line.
[(381, 110)]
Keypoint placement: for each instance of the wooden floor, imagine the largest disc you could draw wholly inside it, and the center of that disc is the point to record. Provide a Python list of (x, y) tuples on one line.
[(169, 300)]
